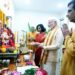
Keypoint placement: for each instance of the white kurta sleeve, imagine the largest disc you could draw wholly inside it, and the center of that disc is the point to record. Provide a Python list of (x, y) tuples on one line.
[(58, 41)]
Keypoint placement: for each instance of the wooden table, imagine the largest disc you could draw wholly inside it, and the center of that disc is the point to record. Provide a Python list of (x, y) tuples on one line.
[(22, 61), (12, 57)]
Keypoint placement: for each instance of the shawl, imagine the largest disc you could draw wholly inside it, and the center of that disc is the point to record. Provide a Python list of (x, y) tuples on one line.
[(48, 41)]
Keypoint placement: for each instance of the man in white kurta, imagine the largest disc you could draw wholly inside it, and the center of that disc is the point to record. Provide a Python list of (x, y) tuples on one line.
[(52, 49)]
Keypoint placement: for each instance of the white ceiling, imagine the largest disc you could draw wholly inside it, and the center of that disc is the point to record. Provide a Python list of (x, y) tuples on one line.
[(45, 6)]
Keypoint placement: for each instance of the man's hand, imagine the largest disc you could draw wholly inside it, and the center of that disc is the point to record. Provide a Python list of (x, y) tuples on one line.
[(45, 47), (33, 43)]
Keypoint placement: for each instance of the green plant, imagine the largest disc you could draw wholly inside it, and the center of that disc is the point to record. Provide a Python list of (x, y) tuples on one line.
[(31, 71)]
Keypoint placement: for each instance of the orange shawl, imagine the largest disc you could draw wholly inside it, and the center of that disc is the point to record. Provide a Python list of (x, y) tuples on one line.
[(48, 41)]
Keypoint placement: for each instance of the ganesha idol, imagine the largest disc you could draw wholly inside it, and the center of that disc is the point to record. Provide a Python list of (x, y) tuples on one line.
[(7, 42)]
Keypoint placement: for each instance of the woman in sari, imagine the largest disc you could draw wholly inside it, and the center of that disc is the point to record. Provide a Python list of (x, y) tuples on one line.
[(39, 39)]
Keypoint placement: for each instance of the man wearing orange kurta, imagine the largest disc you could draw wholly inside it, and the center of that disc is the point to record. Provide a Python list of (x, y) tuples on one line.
[(68, 62), (31, 38)]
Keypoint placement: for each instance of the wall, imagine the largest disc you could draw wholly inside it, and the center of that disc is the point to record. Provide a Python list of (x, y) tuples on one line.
[(22, 19), (7, 7)]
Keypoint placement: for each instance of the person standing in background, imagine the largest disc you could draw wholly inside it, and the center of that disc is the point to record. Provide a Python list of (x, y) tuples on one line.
[(65, 31), (31, 38)]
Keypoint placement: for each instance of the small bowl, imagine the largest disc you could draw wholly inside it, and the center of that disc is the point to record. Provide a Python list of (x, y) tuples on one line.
[(26, 57)]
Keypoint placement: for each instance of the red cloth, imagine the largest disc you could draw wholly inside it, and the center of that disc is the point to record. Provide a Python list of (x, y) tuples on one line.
[(10, 44), (39, 38)]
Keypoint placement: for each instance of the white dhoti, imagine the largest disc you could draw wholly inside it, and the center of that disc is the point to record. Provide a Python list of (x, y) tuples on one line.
[(53, 68)]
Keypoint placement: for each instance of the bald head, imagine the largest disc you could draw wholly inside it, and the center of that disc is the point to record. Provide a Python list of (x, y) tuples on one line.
[(32, 29)]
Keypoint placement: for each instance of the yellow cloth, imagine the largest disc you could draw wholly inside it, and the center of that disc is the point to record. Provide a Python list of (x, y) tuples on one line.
[(30, 38), (48, 41), (68, 61)]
